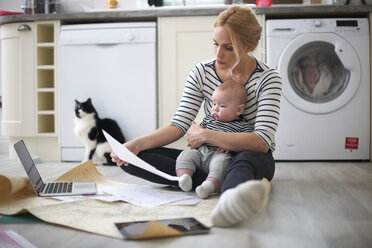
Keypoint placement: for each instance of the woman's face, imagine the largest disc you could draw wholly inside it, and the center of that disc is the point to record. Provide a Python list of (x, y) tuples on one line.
[(223, 48)]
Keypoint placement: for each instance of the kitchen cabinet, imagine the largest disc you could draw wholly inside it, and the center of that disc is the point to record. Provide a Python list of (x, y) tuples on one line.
[(47, 37), (183, 42), (17, 77), (28, 65), (29, 83)]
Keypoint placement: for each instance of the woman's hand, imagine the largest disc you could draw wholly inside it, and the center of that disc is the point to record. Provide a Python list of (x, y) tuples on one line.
[(117, 160), (131, 146), (195, 136)]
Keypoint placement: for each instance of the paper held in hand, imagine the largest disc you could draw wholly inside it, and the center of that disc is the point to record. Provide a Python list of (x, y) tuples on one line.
[(124, 154)]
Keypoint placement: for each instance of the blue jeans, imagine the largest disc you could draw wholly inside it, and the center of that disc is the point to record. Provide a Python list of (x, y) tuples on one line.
[(244, 166)]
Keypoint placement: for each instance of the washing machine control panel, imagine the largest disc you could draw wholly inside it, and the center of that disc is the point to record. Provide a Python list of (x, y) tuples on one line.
[(350, 26), (344, 26), (347, 23)]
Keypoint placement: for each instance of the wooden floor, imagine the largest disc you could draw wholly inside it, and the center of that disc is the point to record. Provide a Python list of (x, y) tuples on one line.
[(313, 204)]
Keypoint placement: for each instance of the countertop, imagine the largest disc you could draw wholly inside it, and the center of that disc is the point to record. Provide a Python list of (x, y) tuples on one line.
[(151, 14)]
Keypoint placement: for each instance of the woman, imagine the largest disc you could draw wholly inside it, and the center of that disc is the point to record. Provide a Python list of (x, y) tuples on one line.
[(245, 189)]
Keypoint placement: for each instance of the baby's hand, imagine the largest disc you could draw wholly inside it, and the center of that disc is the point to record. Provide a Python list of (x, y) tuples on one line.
[(222, 150)]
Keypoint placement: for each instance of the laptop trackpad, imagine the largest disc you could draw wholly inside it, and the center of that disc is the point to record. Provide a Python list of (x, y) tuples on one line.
[(84, 185), (84, 188)]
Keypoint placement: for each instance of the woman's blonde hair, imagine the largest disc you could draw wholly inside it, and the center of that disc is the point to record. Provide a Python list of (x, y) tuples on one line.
[(241, 24)]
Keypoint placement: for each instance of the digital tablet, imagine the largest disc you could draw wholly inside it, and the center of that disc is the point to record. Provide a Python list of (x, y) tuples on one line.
[(161, 228)]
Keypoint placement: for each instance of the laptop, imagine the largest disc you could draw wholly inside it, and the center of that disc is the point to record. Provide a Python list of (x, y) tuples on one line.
[(52, 188)]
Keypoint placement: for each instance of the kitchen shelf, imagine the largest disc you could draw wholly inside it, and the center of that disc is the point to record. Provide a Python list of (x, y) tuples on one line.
[(45, 33), (47, 44), (45, 55), (45, 100), (46, 51), (46, 123), (45, 90), (45, 78), (46, 112), (45, 67)]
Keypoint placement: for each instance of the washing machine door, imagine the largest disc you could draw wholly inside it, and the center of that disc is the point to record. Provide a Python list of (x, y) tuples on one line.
[(321, 72)]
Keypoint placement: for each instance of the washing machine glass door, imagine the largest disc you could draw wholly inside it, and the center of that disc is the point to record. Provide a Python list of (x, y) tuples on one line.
[(321, 72)]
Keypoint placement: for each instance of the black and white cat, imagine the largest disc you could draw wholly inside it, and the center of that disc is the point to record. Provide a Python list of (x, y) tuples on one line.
[(88, 127)]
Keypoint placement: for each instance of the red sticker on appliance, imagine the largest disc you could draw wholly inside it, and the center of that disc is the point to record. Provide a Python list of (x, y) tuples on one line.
[(351, 143)]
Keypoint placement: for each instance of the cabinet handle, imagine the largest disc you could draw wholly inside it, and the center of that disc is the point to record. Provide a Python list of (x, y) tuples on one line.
[(24, 27)]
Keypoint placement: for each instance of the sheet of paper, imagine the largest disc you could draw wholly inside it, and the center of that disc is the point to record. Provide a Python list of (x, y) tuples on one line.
[(191, 202), (151, 197), (124, 154)]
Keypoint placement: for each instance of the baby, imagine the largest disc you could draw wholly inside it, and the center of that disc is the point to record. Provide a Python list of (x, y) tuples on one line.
[(229, 101)]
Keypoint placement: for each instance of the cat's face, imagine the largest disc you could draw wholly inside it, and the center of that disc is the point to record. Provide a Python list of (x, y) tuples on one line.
[(83, 108)]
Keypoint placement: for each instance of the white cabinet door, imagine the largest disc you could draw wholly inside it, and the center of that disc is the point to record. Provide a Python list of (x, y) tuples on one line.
[(18, 79), (183, 42)]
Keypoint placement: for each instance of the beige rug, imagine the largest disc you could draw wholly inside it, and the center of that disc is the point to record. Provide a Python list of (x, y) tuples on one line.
[(95, 216)]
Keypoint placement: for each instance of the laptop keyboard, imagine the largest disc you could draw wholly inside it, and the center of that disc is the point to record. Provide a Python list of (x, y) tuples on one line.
[(59, 187)]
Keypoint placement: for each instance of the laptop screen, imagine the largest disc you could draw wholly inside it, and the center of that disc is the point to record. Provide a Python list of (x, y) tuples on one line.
[(29, 165)]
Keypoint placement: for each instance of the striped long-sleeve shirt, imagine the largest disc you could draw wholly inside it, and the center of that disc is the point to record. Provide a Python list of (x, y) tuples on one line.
[(261, 112), (235, 126)]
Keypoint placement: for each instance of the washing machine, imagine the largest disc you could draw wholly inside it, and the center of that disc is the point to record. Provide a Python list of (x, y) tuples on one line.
[(325, 106)]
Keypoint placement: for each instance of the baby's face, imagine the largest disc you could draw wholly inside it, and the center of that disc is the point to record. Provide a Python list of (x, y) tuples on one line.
[(225, 106)]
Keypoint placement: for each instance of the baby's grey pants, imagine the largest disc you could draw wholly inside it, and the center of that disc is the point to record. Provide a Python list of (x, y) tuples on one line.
[(207, 159)]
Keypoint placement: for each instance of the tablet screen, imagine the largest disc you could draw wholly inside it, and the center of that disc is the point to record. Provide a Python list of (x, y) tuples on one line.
[(161, 228)]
